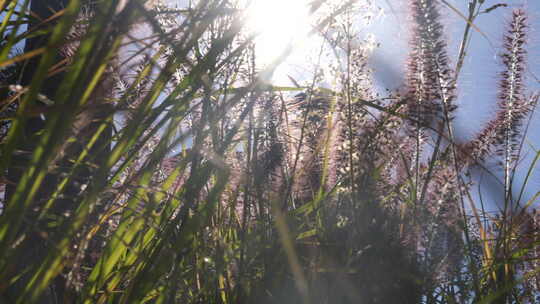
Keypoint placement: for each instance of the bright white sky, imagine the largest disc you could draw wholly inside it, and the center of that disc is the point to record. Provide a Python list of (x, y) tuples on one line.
[(278, 23)]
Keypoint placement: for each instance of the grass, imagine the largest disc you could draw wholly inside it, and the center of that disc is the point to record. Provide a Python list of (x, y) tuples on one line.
[(173, 173)]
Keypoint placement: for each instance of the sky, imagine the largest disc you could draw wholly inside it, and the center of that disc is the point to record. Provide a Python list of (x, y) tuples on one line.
[(389, 30), (478, 80)]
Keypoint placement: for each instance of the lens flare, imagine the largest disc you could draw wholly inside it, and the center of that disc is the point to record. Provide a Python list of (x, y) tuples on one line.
[(278, 24)]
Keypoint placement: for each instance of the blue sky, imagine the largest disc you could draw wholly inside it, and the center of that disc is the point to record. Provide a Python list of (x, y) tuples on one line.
[(478, 80)]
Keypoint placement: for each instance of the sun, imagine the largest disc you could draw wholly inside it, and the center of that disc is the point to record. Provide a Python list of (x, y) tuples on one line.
[(278, 24)]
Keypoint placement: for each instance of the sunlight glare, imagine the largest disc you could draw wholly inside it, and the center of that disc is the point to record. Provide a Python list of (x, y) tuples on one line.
[(278, 23)]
